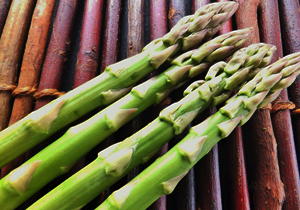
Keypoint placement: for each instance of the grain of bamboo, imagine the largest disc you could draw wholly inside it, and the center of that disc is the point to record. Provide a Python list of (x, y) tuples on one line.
[(12, 44), (57, 53), (4, 8), (31, 67), (158, 27), (290, 23), (238, 197), (267, 192)]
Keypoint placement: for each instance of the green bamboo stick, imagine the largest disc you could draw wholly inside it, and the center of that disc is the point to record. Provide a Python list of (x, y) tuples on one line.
[(164, 174), (113, 83), (100, 174), (60, 156)]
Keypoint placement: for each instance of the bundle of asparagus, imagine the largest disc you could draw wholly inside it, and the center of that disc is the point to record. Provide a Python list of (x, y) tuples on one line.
[(116, 161), (163, 175), (113, 83), (61, 155)]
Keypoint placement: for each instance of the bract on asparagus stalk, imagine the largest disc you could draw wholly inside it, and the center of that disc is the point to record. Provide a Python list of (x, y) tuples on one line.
[(118, 160), (163, 175), (61, 155), (113, 83)]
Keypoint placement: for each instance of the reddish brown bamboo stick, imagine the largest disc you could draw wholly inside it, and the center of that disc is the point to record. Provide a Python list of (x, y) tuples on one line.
[(158, 27), (198, 3), (239, 193), (208, 191), (12, 45), (281, 119), (4, 8), (238, 177), (227, 27), (110, 55), (268, 192), (57, 52), (112, 33), (31, 66), (88, 55), (290, 23), (56, 57), (183, 197), (135, 44)]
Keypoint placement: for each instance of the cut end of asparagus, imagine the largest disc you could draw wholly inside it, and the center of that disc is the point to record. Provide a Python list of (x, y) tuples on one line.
[(19, 178)]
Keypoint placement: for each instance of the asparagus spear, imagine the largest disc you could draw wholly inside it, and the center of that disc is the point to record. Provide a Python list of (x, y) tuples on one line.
[(61, 155), (113, 163), (114, 81), (163, 175)]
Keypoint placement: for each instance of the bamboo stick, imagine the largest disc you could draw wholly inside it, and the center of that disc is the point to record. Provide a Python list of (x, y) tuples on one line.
[(289, 18), (4, 8), (111, 47), (232, 149), (135, 44), (184, 196), (158, 27), (209, 165), (57, 53), (12, 45), (268, 192), (31, 67), (88, 55)]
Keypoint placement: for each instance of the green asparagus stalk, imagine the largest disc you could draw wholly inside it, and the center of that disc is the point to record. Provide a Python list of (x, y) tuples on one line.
[(164, 174), (113, 83), (113, 163), (61, 155)]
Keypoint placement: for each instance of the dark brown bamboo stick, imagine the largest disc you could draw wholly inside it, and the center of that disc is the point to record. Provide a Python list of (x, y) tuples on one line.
[(239, 199), (158, 27), (290, 22), (227, 27), (31, 67), (281, 119), (4, 8), (112, 33), (232, 148), (12, 44), (208, 191), (88, 55), (88, 59), (198, 3), (57, 52), (135, 44), (183, 197), (110, 55), (268, 192)]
